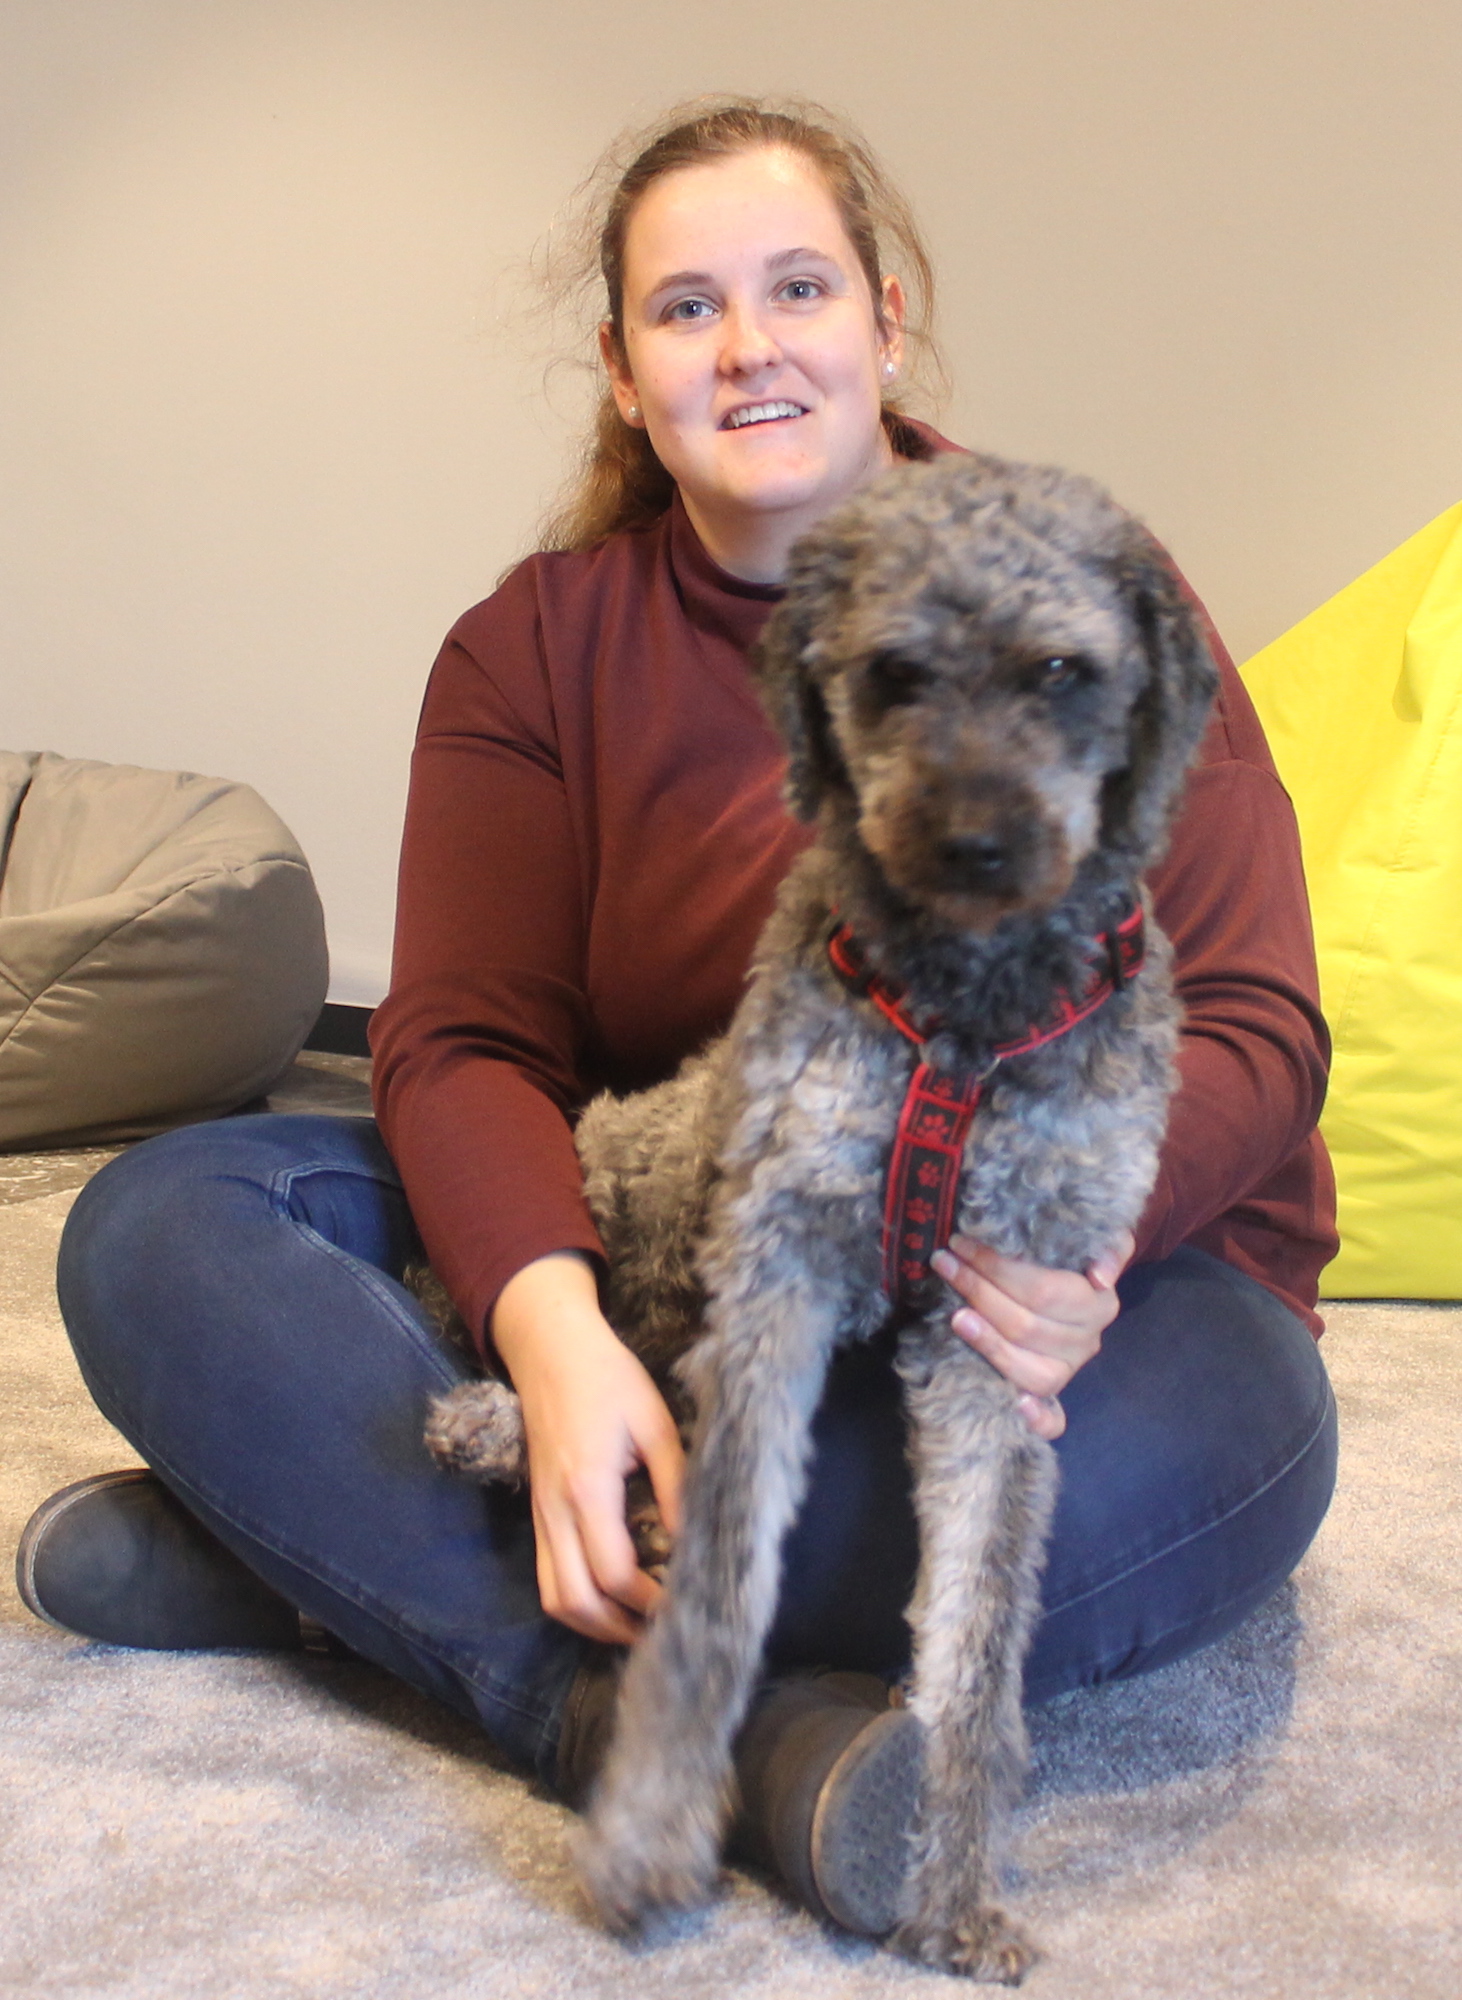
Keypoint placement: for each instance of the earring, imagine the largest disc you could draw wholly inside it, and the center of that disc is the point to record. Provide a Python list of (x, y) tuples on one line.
[(633, 413), (889, 371)]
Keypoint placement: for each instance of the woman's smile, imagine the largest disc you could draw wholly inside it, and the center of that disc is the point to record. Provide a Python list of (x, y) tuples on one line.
[(761, 413)]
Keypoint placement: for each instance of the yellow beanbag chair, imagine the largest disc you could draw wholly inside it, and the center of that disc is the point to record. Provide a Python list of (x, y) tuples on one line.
[(1362, 703)]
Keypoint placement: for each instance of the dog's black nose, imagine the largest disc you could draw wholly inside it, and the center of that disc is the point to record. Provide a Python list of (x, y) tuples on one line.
[(975, 860)]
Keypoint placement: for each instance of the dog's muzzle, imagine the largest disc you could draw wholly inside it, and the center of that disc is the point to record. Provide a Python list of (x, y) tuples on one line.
[(979, 864)]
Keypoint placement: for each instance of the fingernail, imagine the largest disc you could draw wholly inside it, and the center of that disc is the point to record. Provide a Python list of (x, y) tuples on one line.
[(944, 1263), (968, 1324)]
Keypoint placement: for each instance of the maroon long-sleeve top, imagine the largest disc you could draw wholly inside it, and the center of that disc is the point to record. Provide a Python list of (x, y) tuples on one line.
[(594, 835)]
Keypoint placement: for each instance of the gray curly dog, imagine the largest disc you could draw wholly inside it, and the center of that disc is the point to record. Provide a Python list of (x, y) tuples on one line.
[(990, 686)]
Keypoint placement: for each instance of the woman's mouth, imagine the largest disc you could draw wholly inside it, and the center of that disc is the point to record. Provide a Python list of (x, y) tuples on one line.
[(760, 413)]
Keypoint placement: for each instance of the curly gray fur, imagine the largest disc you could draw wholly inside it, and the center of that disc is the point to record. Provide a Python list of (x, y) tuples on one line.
[(990, 687)]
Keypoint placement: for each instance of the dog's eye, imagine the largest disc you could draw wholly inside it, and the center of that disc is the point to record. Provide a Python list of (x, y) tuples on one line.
[(893, 680), (1058, 671)]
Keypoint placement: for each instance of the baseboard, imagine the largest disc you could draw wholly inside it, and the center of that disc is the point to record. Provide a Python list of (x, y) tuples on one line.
[(341, 1031)]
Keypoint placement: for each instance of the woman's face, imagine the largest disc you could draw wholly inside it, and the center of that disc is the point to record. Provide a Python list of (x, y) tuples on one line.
[(753, 354)]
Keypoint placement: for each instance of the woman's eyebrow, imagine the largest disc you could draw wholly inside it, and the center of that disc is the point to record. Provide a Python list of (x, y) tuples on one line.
[(804, 253), (680, 278), (779, 260)]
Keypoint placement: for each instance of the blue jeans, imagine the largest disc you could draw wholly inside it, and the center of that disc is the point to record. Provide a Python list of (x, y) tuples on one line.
[(232, 1294)]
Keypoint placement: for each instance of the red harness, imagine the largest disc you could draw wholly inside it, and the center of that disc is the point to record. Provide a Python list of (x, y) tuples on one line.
[(939, 1105)]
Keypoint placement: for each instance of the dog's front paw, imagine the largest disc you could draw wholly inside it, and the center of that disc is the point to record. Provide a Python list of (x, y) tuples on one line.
[(477, 1429), (985, 1945), (635, 1871)]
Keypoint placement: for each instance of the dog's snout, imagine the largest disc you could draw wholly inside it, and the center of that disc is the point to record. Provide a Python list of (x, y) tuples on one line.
[(979, 861)]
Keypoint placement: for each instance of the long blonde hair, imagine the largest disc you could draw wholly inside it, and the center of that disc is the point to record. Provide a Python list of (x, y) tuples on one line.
[(620, 483)]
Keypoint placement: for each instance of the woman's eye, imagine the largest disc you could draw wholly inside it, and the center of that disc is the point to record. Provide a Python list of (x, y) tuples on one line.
[(690, 309), (799, 290)]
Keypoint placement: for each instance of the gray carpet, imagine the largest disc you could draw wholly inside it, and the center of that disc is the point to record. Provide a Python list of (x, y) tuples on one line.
[(1281, 1816)]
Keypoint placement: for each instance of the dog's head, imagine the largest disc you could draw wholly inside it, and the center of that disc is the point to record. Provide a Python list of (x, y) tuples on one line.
[(993, 670)]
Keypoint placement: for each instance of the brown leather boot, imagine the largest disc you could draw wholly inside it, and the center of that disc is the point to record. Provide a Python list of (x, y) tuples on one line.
[(828, 1770), (117, 1558), (588, 1716), (829, 1767)]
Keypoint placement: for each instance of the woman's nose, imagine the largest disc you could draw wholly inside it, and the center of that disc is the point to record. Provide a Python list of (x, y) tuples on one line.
[(747, 343)]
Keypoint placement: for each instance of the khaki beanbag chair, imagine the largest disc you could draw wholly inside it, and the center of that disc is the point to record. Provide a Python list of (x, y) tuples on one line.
[(1362, 703), (162, 949)]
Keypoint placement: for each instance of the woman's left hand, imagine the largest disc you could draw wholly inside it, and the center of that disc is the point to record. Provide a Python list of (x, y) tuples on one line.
[(1037, 1327)]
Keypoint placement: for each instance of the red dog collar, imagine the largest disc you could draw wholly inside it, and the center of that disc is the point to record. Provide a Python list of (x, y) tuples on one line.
[(939, 1105)]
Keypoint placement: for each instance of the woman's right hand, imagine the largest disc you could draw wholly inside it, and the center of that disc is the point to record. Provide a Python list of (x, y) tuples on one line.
[(592, 1416)]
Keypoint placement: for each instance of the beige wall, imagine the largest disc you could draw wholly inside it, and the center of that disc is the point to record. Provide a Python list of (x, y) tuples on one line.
[(264, 430)]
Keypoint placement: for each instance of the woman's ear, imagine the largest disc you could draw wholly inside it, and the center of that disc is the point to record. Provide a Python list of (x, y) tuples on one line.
[(892, 311), (621, 382)]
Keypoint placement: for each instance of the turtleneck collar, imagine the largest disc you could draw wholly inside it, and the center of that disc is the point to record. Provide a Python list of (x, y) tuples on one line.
[(727, 605), (714, 599)]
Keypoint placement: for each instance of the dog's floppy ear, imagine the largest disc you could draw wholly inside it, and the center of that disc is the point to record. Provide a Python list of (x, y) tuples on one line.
[(786, 657), (1171, 713)]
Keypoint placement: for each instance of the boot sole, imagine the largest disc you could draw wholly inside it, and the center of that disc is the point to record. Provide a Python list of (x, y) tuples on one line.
[(862, 1823)]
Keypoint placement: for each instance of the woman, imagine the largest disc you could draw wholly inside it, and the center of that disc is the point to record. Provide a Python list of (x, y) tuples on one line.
[(594, 836)]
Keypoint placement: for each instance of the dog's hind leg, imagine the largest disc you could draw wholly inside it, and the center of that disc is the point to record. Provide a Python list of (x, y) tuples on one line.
[(655, 1824), (984, 1488)]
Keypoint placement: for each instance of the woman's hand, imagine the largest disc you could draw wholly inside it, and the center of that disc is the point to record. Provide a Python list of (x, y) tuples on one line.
[(1037, 1327), (592, 1415)]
